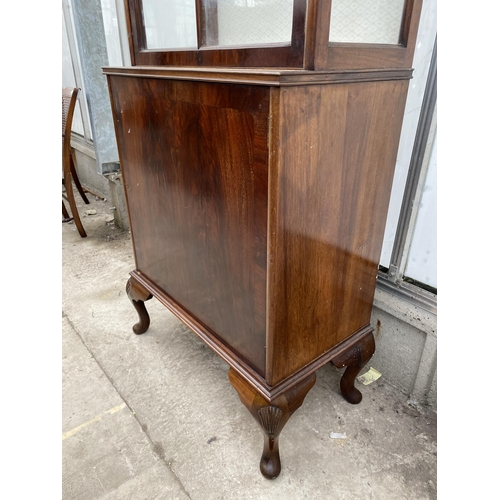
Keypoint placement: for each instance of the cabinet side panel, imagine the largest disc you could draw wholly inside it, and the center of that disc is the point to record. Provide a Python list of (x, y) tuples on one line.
[(337, 153), (194, 158)]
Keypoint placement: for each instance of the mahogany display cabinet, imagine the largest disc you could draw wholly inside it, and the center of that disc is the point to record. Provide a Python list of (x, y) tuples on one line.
[(257, 144)]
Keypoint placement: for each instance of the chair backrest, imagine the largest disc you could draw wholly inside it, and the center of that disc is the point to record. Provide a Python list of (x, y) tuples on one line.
[(69, 95)]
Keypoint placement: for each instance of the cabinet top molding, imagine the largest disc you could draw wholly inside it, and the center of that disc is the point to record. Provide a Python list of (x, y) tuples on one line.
[(261, 76)]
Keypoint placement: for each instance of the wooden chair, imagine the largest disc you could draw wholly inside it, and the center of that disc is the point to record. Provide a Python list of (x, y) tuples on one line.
[(69, 95)]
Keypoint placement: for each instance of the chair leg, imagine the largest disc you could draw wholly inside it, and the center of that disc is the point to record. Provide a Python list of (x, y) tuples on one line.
[(71, 199), (65, 213), (77, 180)]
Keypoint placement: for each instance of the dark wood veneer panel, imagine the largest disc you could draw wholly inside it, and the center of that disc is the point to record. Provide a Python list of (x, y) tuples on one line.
[(194, 157), (337, 152), (279, 56)]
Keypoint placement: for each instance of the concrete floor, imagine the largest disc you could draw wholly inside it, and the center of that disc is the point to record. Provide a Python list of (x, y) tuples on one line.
[(154, 416)]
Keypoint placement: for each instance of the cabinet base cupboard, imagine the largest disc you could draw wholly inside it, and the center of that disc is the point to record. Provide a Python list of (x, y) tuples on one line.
[(257, 204)]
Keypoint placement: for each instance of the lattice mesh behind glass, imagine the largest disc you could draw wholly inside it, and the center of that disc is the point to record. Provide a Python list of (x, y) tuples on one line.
[(366, 21), (254, 22)]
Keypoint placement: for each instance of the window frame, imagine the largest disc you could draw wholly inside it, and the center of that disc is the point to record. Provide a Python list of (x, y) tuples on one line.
[(393, 278)]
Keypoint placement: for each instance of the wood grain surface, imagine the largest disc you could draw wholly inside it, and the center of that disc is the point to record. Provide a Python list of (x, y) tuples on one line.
[(260, 210), (194, 158), (330, 181)]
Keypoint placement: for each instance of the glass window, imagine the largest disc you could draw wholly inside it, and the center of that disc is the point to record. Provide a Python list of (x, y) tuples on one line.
[(170, 24), (250, 22), (69, 80), (366, 21)]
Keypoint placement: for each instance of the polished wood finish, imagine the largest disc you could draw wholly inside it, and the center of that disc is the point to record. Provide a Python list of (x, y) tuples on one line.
[(76, 179), (331, 181), (66, 217), (354, 358), (271, 415), (138, 295), (202, 237), (207, 23), (266, 77), (69, 99), (202, 234), (316, 35)]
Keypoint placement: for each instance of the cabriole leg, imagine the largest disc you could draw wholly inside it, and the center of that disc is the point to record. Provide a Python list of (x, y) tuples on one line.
[(138, 295), (271, 416), (355, 359)]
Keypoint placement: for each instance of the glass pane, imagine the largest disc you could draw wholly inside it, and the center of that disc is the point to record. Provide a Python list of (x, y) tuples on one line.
[(170, 24), (366, 21), (249, 22), (110, 21), (68, 78)]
